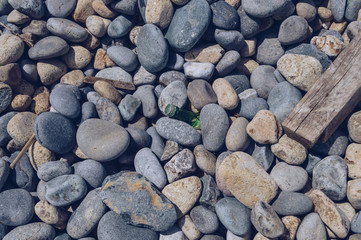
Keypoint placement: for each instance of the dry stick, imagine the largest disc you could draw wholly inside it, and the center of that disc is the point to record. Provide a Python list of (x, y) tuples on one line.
[(29, 42), (22, 152)]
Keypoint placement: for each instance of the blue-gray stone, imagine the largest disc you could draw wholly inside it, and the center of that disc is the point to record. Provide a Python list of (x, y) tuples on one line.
[(4, 172), (263, 9), (34, 8), (29, 70), (139, 138), (282, 99), (214, 124), (224, 16), (263, 80), (120, 26), (292, 204), (238, 80), (251, 106), (279, 76), (66, 29), (210, 192), (311, 227), (338, 8), (335, 145), (108, 111), (16, 207), (188, 25), (64, 101), (115, 73), (175, 93), (128, 7), (294, 29), (285, 12), (143, 77), (53, 169), (112, 226), (168, 77), (138, 201), (86, 216), (65, 190), (149, 103), (91, 171), (60, 8), (249, 25), (234, 215), (23, 175), (229, 40), (5, 8), (356, 223), (88, 110), (175, 61), (63, 236), (204, 219), (178, 131), (36, 230), (263, 155), (123, 57), (269, 49), (228, 63), (312, 160), (4, 120), (2, 230), (330, 176), (152, 48), (48, 47), (157, 143), (128, 107), (55, 132), (352, 8), (332, 33)]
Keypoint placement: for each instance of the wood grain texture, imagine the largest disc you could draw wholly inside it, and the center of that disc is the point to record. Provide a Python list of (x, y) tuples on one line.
[(116, 83), (330, 99)]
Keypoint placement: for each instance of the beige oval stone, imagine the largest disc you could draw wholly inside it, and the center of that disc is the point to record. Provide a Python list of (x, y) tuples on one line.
[(21, 127), (205, 160), (97, 25), (328, 44), (103, 10), (188, 227), (77, 57), (51, 215), (75, 77), (246, 179), (249, 48), (325, 14), (101, 60), (40, 102), (17, 17), (40, 155), (354, 193), (237, 138), (211, 53), (183, 193), (133, 34), (289, 150), (330, 214), (159, 12), (91, 42), (264, 128), (20, 102), (306, 9), (108, 91), (50, 70), (300, 70), (353, 160), (354, 127), (247, 65), (83, 10), (291, 223), (12, 47), (226, 95)]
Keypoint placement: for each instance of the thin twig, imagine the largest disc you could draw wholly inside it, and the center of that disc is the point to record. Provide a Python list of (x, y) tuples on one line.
[(29, 42), (31, 140)]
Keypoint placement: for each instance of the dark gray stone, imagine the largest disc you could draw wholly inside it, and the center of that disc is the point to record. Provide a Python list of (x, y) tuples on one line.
[(224, 16), (53, 169), (4, 120), (108, 111), (175, 61), (149, 103), (66, 29), (356, 223), (16, 207), (234, 215), (86, 216), (175, 94), (263, 155), (4, 172), (205, 220), (292, 204), (210, 192), (285, 12), (91, 171), (157, 143), (249, 25), (48, 47), (338, 8), (251, 106), (64, 101), (178, 131), (269, 49), (335, 145), (60, 8), (238, 80), (201, 93), (6, 95), (2, 230), (214, 124), (23, 175), (312, 159), (88, 110), (352, 8), (34, 8), (138, 201), (112, 226), (263, 80), (123, 57), (262, 9), (167, 78), (55, 132), (128, 7), (115, 73), (120, 26), (63, 236), (128, 107), (139, 138), (229, 40), (330, 176), (293, 30), (65, 190), (188, 25), (228, 63)]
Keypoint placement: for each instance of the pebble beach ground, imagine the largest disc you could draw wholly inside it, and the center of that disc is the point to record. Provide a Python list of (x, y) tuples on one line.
[(109, 163)]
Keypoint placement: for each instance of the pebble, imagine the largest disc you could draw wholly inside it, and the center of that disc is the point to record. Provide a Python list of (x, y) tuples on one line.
[(328, 44), (300, 70), (189, 228), (205, 160), (234, 216), (112, 226), (35, 230), (173, 233), (35, 9), (215, 124), (138, 201), (55, 132), (205, 220), (20, 127), (246, 179), (175, 61), (108, 91), (77, 57), (352, 8), (352, 160), (157, 144), (50, 70), (264, 128), (102, 60), (60, 8), (12, 48), (10, 74), (356, 223), (181, 37), (251, 106), (263, 80), (120, 26), (108, 111), (178, 131), (238, 80), (226, 95), (224, 16), (17, 207), (205, 53), (338, 9), (249, 25), (168, 77), (48, 47), (97, 25), (183, 193), (6, 94), (263, 155), (4, 172), (159, 13), (289, 178), (123, 57), (289, 150), (24, 175), (200, 93), (210, 192), (353, 193), (180, 165), (266, 221), (306, 9), (88, 110), (142, 77), (296, 25), (40, 101), (195, 70), (102, 140), (262, 9), (311, 227), (229, 39), (171, 148), (53, 169), (66, 29), (269, 49), (139, 138), (128, 107), (51, 215), (147, 164), (353, 127), (175, 94), (86, 216), (146, 95), (91, 171), (292, 204), (237, 138), (103, 10), (127, 7), (227, 63), (65, 102)]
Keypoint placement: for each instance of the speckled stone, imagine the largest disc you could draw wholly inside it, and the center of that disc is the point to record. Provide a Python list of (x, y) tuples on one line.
[(11, 50), (35, 9), (108, 111), (51, 215), (353, 193), (226, 95), (180, 165), (353, 126), (352, 158), (20, 127), (6, 94), (50, 70), (36, 230), (205, 160), (224, 16), (189, 228), (77, 57), (205, 220), (289, 150)]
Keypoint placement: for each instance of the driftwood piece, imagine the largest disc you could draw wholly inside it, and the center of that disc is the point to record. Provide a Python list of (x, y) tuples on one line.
[(116, 83), (329, 101)]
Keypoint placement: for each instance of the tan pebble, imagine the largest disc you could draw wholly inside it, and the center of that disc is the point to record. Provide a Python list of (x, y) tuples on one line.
[(189, 229), (17, 17), (205, 160), (83, 10), (97, 25), (40, 155), (354, 193), (75, 77), (264, 128), (21, 127), (25, 88), (103, 10), (180, 2), (259, 236), (291, 223), (246, 179), (20, 102), (339, 27), (249, 48), (79, 153), (306, 9), (91, 42), (50, 70), (101, 60), (354, 127), (10, 74), (355, 237), (12, 48), (139, 121), (328, 44), (51, 214), (247, 65), (234, 3), (226, 95), (40, 102), (325, 14), (159, 12), (353, 160), (289, 150), (108, 91), (171, 148), (183, 193), (330, 214), (77, 57), (205, 53), (133, 34), (347, 209)]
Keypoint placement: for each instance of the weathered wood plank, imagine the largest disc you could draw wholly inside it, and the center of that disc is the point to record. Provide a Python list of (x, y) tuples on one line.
[(329, 101), (116, 83)]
